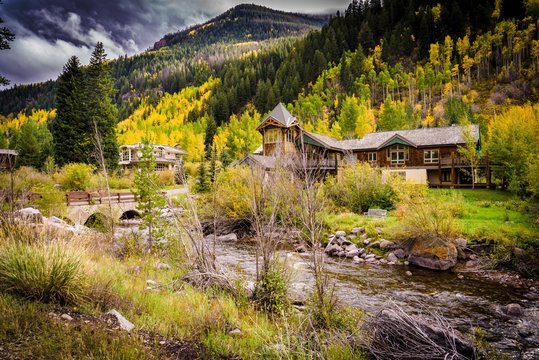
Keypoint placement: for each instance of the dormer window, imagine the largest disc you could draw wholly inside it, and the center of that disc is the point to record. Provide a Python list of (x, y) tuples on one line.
[(272, 136)]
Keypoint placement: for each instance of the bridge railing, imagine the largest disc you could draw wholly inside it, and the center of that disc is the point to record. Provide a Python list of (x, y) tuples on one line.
[(75, 198)]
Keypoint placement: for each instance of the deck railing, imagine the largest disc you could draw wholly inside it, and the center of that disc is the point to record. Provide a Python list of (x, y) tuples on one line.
[(76, 198), (459, 161)]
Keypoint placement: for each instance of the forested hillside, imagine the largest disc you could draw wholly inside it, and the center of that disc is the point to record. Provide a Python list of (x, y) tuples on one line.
[(246, 22), (378, 66)]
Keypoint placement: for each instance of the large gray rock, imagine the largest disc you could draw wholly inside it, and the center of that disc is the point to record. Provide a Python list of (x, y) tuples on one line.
[(357, 230), (433, 253), (392, 258), (386, 244), (122, 321), (400, 253), (352, 253), (351, 247), (228, 237), (461, 242), (331, 249), (340, 233), (513, 310), (30, 214)]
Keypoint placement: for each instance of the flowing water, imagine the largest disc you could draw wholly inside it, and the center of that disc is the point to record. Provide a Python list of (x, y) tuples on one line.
[(465, 303)]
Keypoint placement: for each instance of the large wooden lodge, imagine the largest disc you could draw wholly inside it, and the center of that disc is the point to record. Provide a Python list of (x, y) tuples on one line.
[(426, 155)]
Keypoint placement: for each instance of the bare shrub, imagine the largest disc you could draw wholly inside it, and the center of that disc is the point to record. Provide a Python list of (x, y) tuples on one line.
[(394, 334)]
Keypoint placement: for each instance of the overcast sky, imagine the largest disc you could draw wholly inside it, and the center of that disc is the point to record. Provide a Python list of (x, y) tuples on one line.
[(49, 32)]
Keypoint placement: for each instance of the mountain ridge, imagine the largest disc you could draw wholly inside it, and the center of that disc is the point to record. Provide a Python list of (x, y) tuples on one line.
[(251, 23)]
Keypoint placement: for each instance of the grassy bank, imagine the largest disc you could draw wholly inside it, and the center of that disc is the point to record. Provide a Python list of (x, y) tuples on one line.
[(208, 323)]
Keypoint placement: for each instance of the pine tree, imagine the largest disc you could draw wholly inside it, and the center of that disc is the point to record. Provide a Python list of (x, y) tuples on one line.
[(149, 199), (100, 110), (71, 130), (202, 182)]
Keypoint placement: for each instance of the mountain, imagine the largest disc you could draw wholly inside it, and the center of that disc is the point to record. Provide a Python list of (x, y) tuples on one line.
[(246, 22), (190, 57)]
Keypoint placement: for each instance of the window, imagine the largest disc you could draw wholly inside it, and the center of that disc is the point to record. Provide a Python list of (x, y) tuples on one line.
[(398, 154), (272, 136), (126, 155), (446, 176), (432, 156), (372, 157), (161, 167), (159, 152)]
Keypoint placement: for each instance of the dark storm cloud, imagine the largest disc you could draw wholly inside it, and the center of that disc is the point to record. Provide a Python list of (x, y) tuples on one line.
[(49, 32)]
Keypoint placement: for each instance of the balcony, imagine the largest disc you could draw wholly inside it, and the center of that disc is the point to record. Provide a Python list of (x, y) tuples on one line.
[(459, 162)]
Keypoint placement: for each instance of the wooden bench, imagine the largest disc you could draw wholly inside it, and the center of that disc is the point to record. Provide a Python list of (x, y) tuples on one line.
[(379, 213)]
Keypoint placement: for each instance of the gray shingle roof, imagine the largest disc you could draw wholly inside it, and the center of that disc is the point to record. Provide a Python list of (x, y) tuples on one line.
[(168, 148), (281, 115), (439, 136)]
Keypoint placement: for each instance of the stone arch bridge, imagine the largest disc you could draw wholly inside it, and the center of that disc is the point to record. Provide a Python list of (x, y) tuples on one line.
[(81, 205)]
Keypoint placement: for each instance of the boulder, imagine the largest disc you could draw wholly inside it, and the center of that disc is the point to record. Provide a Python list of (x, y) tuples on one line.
[(366, 241), (391, 257), (386, 244), (340, 233), (228, 237), (56, 220), (122, 321), (513, 310), (400, 253), (332, 249), (163, 266), (461, 243), (433, 253), (352, 253), (30, 214), (357, 230), (341, 253), (357, 259), (351, 247), (345, 242), (408, 273), (66, 317), (298, 293)]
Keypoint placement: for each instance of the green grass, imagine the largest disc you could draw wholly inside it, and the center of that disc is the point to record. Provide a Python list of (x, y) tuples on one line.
[(494, 216)]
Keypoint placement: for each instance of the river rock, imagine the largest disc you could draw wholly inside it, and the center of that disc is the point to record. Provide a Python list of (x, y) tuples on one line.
[(331, 249), (340, 233), (375, 244), (122, 321), (367, 241), (370, 256), (56, 220), (163, 266), (400, 253), (66, 317), (357, 259), (386, 244), (341, 253), (228, 237), (461, 242), (358, 230), (408, 273), (513, 310), (370, 260), (298, 293), (350, 247), (30, 214), (391, 257), (433, 253), (352, 253)]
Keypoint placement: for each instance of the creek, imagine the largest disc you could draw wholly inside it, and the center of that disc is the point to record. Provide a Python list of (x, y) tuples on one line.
[(466, 303)]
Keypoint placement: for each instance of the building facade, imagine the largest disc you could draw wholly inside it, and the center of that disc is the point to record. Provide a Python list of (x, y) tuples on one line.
[(167, 158), (426, 155)]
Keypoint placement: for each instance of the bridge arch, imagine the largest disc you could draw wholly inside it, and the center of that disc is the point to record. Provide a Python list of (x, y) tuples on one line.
[(130, 214)]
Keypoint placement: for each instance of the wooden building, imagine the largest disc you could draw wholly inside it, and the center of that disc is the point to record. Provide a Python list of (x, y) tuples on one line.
[(426, 155), (167, 158)]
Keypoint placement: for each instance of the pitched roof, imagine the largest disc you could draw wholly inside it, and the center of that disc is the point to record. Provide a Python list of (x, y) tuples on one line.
[(281, 115), (266, 162), (450, 135), (168, 148)]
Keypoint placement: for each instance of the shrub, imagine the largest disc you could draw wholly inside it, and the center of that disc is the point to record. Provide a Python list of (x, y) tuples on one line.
[(51, 273), (361, 187), (51, 202), (271, 292), (233, 193), (424, 215), (166, 178), (122, 181), (76, 176)]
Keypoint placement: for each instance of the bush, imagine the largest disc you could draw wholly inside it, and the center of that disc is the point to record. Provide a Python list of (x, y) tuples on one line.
[(429, 215), (76, 177), (122, 181), (166, 178), (271, 292), (51, 273), (361, 187), (233, 193)]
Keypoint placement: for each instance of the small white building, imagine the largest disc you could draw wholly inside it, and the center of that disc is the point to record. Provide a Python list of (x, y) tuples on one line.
[(167, 158)]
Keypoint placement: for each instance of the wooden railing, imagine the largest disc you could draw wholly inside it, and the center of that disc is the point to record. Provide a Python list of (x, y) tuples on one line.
[(321, 163), (76, 198), (459, 161)]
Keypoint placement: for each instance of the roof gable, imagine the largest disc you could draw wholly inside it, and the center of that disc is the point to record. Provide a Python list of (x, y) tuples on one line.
[(279, 116), (397, 139)]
